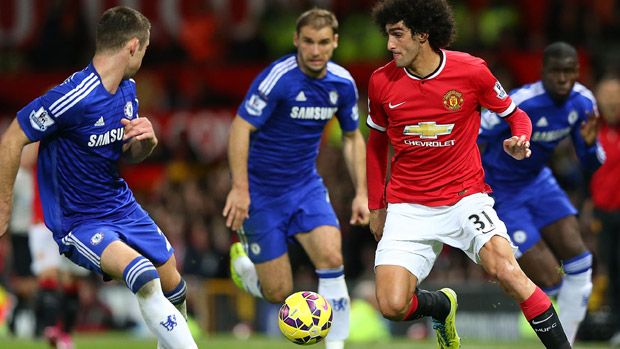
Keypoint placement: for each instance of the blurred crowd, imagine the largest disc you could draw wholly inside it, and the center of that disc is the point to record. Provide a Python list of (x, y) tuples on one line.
[(205, 55)]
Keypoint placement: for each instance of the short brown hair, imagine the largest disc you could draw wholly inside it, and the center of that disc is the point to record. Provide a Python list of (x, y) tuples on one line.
[(119, 25), (317, 18)]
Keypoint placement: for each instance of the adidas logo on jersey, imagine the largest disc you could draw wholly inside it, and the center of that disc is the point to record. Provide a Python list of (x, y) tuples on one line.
[(301, 97), (100, 122), (542, 122)]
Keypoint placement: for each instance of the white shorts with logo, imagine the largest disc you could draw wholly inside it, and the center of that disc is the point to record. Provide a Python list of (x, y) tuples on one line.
[(414, 234), (45, 253)]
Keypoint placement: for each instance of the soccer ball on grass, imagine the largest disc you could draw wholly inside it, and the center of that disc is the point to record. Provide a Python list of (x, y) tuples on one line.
[(305, 318)]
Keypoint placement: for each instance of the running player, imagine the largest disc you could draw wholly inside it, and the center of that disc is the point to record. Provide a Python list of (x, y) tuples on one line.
[(277, 195), (538, 214), (426, 103)]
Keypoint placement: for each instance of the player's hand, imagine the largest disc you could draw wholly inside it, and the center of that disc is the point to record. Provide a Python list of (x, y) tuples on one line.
[(589, 128), (517, 147), (377, 222), (237, 207), (139, 129), (360, 214)]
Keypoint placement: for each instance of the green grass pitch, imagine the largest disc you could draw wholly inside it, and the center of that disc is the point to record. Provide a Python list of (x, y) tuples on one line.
[(121, 341)]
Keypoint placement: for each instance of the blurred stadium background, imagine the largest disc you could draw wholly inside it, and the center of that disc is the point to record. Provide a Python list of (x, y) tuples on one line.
[(203, 56)]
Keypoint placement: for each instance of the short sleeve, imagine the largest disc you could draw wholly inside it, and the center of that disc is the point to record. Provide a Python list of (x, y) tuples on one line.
[(44, 116), (491, 94), (348, 113), (377, 119), (264, 93)]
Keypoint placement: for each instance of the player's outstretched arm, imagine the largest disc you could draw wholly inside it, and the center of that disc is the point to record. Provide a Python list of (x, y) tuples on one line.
[(11, 144), (354, 151), (140, 139), (237, 206)]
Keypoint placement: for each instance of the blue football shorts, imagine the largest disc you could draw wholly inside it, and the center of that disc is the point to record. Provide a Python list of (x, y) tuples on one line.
[(274, 221), (85, 244), (527, 209)]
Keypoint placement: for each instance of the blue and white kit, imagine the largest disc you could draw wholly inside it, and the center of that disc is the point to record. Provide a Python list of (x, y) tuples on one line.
[(86, 204), (527, 195), (290, 111)]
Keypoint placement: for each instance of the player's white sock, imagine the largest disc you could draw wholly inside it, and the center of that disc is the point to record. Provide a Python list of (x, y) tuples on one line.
[(333, 287), (247, 271), (163, 319), (575, 293), (178, 298)]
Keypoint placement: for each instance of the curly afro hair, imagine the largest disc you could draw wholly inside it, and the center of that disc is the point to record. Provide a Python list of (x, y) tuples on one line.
[(433, 17)]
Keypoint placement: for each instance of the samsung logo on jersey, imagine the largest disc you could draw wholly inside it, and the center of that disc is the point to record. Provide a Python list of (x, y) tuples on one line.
[(550, 136), (109, 137), (313, 113)]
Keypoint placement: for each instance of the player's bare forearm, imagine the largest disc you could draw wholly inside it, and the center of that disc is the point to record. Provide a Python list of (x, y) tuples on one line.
[(354, 151), (140, 137), (238, 200), (11, 144)]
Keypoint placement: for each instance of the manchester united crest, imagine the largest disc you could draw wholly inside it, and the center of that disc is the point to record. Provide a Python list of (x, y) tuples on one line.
[(453, 100)]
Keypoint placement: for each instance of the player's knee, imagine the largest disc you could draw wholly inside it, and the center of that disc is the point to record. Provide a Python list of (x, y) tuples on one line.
[(392, 307), (277, 293), (330, 260)]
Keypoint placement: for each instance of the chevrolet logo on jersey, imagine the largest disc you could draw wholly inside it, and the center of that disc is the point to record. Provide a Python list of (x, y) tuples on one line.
[(428, 130)]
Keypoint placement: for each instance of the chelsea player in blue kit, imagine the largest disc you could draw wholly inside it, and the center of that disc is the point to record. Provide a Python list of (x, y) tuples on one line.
[(538, 214), (277, 195), (85, 125)]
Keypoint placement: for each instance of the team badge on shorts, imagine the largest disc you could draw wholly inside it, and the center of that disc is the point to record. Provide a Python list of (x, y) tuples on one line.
[(453, 100), (519, 236), (255, 248), (96, 239)]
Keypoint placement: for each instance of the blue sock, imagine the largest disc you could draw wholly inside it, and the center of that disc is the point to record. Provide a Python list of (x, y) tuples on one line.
[(177, 296), (138, 272)]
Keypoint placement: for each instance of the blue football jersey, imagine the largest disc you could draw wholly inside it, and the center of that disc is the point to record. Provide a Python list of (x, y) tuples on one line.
[(290, 111), (551, 123), (79, 125)]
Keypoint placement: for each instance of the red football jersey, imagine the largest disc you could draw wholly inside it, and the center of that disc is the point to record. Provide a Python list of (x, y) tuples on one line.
[(432, 124)]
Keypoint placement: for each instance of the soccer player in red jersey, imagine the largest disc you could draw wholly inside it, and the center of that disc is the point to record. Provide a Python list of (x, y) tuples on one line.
[(426, 103)]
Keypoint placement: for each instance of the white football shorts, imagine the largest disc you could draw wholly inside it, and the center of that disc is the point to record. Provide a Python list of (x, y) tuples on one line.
[(414, 234), (45, 255)]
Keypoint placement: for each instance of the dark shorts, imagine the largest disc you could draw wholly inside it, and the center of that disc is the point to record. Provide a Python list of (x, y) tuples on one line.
[(21, 255)]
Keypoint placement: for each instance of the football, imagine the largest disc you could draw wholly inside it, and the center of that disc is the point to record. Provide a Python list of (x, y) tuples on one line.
[(305, 318)]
